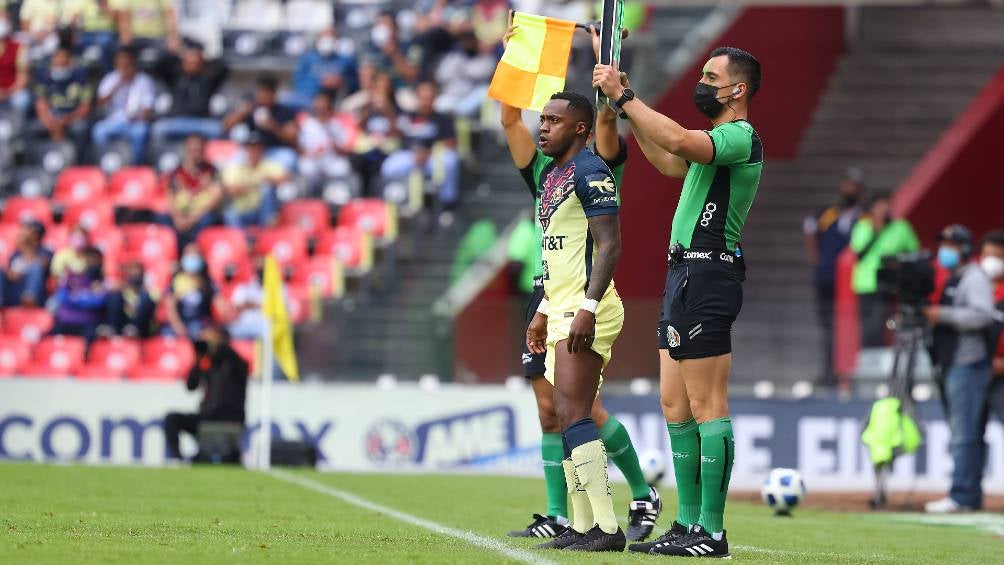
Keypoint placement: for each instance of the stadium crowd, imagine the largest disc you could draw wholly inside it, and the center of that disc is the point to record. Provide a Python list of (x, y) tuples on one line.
[(170, 177)]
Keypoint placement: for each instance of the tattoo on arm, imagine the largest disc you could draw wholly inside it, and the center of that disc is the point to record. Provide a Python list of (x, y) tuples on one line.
[(606, 232)]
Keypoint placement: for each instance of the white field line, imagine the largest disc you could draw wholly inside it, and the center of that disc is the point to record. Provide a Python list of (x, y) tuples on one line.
[(991, 523), (476, 540)]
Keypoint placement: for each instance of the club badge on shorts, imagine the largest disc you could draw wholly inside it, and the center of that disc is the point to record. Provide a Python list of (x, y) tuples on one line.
[(672, 337)]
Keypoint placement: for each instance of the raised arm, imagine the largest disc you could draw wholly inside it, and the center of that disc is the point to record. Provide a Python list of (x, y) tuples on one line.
[(663, 132), (522, 148)]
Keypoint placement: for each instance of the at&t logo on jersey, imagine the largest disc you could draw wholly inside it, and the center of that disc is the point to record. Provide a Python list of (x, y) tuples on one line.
[(709, 213), (553, 242)]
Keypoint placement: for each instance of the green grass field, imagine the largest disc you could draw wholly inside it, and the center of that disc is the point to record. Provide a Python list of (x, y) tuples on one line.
[(71, 514)]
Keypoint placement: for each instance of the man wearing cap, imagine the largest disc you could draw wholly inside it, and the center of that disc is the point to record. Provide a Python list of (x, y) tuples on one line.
[(963, 320), (22, 283)]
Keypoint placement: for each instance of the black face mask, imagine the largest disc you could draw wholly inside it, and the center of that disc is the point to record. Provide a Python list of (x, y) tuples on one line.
[(849, 200), (706, 99)]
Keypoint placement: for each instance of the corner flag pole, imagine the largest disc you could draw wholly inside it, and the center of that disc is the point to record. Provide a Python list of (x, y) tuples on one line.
[(265, 409)]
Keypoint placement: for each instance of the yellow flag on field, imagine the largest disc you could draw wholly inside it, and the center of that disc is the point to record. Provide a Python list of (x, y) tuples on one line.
[(534, 63), (274, 310)]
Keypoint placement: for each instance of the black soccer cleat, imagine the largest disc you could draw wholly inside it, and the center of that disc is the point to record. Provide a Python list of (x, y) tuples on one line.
[(697, 543), (642, 515), (598, 540), (567, 538), (541, 527), (675, 533)]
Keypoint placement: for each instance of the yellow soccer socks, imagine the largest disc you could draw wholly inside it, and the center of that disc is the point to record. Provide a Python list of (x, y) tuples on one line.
[(589, 458)]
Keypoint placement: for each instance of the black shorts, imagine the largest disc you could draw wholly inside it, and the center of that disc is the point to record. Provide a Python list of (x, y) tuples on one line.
[(699, 305), (533, 364)]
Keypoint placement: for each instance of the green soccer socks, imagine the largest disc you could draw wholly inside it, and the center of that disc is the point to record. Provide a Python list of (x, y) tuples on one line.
[(717, 454), (621, 451), (552, 452), (685, 441)]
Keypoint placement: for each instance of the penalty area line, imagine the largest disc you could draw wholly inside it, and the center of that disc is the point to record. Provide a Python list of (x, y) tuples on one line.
[(476, 540)]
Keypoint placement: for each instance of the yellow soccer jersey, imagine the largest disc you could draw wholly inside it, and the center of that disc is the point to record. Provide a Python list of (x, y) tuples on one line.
[(568, 196)]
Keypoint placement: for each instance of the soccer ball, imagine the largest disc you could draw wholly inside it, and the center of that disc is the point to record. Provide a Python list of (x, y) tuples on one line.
[(783, 490), (653, 465)]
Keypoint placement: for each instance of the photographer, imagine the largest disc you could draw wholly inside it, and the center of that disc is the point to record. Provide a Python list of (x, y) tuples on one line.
[(963, 320), (223, 376)]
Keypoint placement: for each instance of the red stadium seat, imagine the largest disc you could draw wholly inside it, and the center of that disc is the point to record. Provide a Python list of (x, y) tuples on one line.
[(79, 184), (247, 350), (351, 246), (150, 244), (164, 358), (287, 244), (14, 354), (373, 216), (225, 247), (299, 303), (221, 152), (8, 242), (56, 237), (20, 209), (110, 241), (322, 274), (57, 356), (137, 188), (27, 324), (310, 215), (94, 215), (110, 359)]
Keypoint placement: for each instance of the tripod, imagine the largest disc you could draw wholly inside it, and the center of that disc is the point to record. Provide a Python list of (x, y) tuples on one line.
[(910, 337)]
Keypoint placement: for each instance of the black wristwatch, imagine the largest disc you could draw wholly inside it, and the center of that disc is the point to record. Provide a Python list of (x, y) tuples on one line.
[(627, 95)]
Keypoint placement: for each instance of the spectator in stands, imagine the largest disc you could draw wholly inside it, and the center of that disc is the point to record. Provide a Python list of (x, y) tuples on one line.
[(131, 305), (222, 374), (874, 236), (275, 122), (63, 97), (148, 23), (39, 19), (379, 134), (127, 94), (22, 282), (323, 68), (490, 18), (356, 101), (250, 186), (243, 313), (81, 298), (71, 259), (431, 150), (193, 84), (190, 295), (13, 71), (402, 60), (464, 75), (194, 192), (962, 319), (827, 234), (95, 23), (326, 138)]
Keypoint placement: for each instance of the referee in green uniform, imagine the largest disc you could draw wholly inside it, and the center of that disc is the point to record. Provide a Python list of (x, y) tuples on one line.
[(721, 167)]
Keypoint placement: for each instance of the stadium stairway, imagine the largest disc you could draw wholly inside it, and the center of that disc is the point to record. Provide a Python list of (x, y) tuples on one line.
[(898, 87)]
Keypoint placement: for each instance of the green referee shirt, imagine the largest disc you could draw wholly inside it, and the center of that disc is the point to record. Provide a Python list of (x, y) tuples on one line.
[(896, 237), (717, 197)]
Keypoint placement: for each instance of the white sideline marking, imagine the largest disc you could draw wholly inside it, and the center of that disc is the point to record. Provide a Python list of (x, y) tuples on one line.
[(991, 523), (469, 537)]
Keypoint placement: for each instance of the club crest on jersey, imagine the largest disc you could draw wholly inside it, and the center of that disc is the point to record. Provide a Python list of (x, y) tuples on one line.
[(557, 187)]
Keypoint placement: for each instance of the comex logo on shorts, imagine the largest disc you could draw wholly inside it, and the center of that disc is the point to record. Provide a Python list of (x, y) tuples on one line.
[(709, 212)]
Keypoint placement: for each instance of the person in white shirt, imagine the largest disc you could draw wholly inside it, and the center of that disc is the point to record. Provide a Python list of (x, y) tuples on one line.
[(127, 95)]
